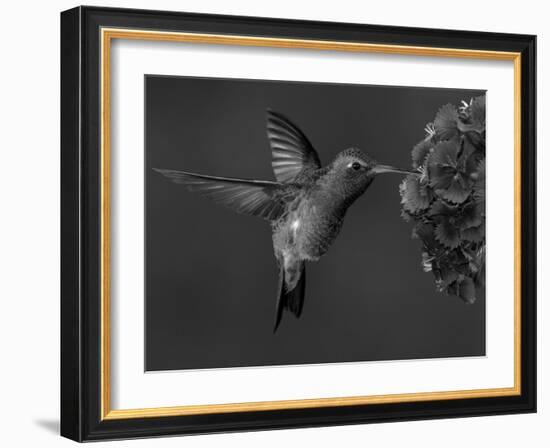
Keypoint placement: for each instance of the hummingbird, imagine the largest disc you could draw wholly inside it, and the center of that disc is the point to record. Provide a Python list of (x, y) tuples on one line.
[(305, 205)]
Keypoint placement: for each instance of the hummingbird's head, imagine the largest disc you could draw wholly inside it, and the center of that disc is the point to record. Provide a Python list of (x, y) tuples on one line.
[(354, 171)]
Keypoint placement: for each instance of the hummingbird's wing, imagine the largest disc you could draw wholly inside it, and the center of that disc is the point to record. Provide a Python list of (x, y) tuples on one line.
[(251, 197), (292, 152)]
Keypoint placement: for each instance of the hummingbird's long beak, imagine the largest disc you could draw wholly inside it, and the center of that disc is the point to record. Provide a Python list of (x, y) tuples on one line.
[(380, 169)]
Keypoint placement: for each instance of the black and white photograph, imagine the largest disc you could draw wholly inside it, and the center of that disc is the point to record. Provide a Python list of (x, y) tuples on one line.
[(302, 223)]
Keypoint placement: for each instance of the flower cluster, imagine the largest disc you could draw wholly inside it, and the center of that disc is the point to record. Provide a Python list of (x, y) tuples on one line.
[(446, 198)]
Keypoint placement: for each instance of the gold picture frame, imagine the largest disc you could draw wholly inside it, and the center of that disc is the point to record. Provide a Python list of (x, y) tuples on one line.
[(107, 36)]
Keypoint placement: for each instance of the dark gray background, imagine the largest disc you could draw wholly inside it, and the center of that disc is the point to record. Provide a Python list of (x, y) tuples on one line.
[(211, 279)]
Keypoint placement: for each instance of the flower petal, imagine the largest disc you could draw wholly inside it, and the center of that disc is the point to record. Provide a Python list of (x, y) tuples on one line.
[(455, 192), (441, 176), (420, 152), (444, 154), (414, 195), (442, 208), (474, 234), (477, 112), (425, 232), (447, 234), (471, 216), (446, 122), (446, 277)]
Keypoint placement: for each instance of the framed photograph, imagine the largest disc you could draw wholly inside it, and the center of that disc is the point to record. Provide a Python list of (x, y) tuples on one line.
[(210, 162)]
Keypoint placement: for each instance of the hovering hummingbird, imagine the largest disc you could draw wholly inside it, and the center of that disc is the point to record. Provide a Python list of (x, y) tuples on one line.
[(306, 205)]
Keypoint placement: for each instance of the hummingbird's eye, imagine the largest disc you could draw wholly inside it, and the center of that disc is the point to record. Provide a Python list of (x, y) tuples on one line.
[(356, 166)]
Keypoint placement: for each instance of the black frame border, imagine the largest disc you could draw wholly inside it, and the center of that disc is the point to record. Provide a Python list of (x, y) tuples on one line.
[(80, 224)]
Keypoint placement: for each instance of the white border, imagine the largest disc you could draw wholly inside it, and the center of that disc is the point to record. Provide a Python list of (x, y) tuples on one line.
[(131, 387)]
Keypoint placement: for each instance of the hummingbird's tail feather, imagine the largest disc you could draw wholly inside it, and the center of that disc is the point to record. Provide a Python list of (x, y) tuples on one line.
[(290, 298)]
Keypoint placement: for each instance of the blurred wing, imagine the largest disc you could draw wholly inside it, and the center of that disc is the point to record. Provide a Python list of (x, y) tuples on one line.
[(250, 197), (292, 152)]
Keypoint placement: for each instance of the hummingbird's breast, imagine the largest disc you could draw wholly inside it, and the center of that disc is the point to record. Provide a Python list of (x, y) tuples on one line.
[(309, 227)]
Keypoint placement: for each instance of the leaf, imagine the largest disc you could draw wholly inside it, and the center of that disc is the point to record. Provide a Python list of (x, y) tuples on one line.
[(468, 163), (448, 276), (446, 122), (458, 261), (420, 152), (480, 173), (479, 184), (452, 289), (479, 279), (447, 234), (477, 260), (467, 290), (414, 195), (426, 233), (475, 141)]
